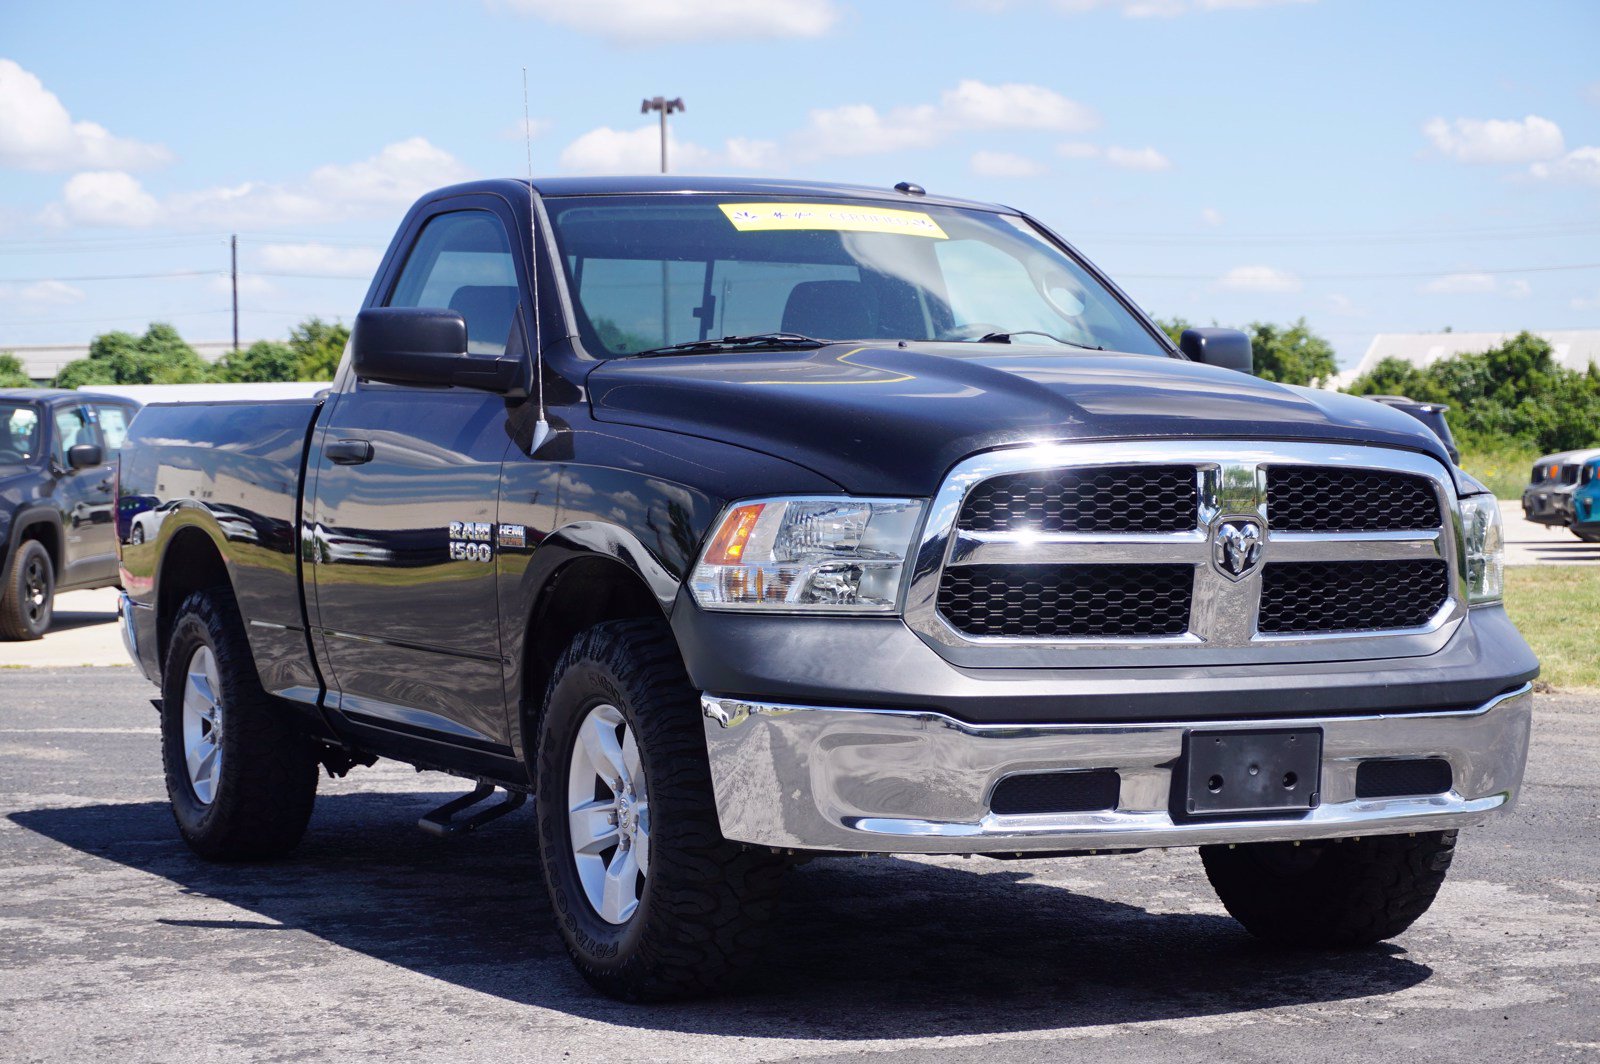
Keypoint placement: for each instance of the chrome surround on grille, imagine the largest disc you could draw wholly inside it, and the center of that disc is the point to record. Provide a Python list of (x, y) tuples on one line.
[(1222, 629)]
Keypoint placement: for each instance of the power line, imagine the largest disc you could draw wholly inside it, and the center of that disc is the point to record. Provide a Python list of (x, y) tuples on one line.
[(117, 276)]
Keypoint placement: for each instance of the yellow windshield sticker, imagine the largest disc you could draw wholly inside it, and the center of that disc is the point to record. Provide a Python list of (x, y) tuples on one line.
[(765, 217)]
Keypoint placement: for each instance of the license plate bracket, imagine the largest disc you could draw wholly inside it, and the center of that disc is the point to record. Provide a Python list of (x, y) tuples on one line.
[(1244, 773)]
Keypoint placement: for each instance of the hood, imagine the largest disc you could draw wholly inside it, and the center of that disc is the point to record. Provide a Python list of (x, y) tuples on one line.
[(891, 420)]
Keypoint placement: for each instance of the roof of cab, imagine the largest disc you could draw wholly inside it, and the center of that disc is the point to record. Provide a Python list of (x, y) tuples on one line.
[(39, 395), (667, 184)]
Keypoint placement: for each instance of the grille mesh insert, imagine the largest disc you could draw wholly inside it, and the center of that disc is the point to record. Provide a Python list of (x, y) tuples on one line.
[(1057, 792), (1316, 499), (1067, 601), (1104, 499), (1351, 596), (1396, 779)]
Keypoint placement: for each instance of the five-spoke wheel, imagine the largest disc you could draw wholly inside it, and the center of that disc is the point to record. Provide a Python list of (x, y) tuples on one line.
[(202, 724), (608, 814)]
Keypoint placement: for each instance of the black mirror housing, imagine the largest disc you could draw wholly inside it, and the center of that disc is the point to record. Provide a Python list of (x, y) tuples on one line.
[(85, 456), (1228, 348), (427, 345)]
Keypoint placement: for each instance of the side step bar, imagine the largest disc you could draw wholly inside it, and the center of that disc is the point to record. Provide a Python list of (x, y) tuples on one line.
[(443, 823)]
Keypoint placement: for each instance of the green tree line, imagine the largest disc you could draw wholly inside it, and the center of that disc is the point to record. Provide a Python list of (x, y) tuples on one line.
[(161, 356)]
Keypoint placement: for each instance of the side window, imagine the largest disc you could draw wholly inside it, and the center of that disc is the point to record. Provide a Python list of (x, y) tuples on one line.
[(462, 261), (72, 428), (113, 421)]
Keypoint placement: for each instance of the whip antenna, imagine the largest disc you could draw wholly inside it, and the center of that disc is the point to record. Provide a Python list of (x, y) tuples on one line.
[(541, 428)]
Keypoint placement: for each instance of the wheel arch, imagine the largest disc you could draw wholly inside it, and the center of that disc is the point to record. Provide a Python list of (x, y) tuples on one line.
[(41, 523), (203, 566), (582, 575)]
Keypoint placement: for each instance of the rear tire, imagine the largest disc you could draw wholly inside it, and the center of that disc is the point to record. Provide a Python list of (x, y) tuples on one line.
[(241, 776), (28, 604), (1339, 894), (1587, 535), (695, 914)]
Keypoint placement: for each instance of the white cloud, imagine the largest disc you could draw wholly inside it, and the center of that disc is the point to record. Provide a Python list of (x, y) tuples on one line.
[(532, 127), (1166, 8), (861, 129), (631, 151), (395, 176), (37, 132), (106, 197), (319, 259), (1467, 284), (1343, 306), (658, 21), (1078, 150), (1258, 279), (1004, 164), (249, 285), (1580, 164), (1211, 216), (1137, 159), (1495, 140), (41, 293), (1147, 159), (977, 105)]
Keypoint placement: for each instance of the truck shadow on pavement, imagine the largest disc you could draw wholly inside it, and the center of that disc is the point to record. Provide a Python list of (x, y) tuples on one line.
[(863, 948)]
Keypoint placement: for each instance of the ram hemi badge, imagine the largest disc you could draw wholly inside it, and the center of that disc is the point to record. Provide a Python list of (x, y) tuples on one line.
[(513, 536)]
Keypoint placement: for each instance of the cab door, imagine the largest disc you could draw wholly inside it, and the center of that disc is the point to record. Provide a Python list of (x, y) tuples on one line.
[(89, 549), (406, 491)]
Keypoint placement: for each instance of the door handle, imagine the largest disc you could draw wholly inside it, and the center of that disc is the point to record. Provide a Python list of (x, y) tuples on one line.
[(348, 452)]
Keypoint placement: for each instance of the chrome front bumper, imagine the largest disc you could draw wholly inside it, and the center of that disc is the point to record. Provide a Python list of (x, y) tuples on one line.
[(883, 781)]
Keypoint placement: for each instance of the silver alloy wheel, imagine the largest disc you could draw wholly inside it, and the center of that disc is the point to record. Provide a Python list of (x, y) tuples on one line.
[(202, 724), (608, 814), (36, 587)]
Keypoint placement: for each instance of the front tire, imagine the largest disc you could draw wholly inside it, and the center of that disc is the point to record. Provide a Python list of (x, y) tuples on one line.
[(1339, 894), (1587, 535), (28, 604), (651, 901), (241, 777)]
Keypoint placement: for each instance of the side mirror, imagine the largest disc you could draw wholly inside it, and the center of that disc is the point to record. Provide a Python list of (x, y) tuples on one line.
[(85, 456), (427, 345), (1228, 348)]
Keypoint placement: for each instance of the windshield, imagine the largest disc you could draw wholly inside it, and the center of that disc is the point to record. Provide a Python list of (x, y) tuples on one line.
[(647, 272), (19, 433)]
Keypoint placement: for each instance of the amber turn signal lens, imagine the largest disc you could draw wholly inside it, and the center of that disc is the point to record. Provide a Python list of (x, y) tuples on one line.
[(727, 546)]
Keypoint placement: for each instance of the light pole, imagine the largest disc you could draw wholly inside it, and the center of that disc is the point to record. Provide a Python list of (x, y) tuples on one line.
[(666, 107)]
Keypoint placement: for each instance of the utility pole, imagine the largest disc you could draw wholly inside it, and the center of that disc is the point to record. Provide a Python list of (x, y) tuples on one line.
[(233, 255), (666, 107)]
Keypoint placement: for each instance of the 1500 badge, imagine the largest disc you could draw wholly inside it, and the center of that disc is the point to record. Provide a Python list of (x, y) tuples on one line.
[(470, 541)]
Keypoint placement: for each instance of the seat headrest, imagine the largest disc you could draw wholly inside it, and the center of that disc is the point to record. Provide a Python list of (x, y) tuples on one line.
[(829, 310), (488, 310)]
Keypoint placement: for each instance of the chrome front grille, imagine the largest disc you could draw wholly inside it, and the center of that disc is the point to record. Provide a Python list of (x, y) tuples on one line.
[(1075, 554)]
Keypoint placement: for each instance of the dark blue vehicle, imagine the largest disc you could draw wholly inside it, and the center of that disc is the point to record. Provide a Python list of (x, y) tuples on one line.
[(57, 525), (740, 522)]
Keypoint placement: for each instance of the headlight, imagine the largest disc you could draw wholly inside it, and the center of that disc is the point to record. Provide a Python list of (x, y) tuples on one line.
[(1483, 548), (824, 555)]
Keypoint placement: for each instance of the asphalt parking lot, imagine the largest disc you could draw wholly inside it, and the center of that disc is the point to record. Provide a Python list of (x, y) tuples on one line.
[(376, 942)]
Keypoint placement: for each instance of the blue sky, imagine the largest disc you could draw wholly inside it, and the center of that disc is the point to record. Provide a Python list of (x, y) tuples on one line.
[(1372, 166)]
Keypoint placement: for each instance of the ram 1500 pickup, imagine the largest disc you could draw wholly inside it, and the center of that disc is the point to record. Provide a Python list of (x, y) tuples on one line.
[(743, 522)]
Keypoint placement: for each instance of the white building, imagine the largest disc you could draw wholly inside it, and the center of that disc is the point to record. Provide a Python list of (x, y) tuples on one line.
[(1573, 348)]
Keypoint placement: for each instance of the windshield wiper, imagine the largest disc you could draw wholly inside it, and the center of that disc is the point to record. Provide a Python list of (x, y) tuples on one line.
[(754, 340), (1005, 338)]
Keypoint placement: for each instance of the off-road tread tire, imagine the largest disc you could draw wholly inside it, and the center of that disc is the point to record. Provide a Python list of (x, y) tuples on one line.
[(1357, 893), (707, 901), (268, 783), (14, 625)]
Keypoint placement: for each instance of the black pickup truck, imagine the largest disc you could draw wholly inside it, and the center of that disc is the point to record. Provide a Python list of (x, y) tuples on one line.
[(745, 522), (57, 519)]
